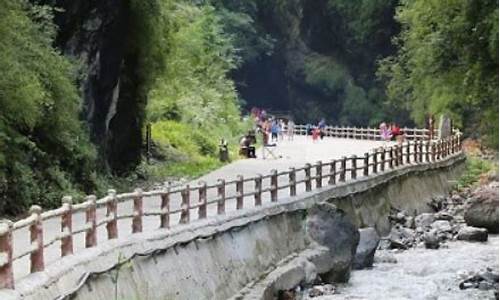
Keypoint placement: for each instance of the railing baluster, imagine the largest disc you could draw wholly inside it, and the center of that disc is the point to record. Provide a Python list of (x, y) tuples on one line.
[(138, 212), (221, 194), (111, 212), (36, 237), (90, 219), (421, 151), (165, 209), (292, 182), (333, 172), (391, 158), (415, 152), (375, 162), (354, 166), (6, 270), (307, 171), (408, 152), (202, 198), (258, 190), (427, 148), (319, 174), (343, 164), (67, 226), (274, 185), (239, 192), (366, 164), (185, 206), (382, 160)]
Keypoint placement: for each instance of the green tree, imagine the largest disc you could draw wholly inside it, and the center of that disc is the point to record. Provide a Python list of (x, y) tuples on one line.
[(44, 149), (447, 62)]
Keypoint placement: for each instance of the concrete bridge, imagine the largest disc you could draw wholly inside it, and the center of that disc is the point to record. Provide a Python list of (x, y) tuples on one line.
[(217, 235)]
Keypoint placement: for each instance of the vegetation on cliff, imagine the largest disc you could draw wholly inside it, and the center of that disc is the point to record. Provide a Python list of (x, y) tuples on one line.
[(44, 148)]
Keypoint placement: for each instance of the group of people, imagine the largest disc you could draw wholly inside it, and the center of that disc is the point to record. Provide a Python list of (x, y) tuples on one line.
[(391, 132)]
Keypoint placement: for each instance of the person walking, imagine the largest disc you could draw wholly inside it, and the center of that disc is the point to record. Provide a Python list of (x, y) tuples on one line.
[(274, 131), (322, 128)]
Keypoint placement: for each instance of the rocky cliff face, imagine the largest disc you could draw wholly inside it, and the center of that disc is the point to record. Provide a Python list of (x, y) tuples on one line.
[(97, 34)]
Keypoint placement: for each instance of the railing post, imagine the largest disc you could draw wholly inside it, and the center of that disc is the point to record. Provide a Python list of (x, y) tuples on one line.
[(258, 190), (6, 270), (401, 157), (395, 149), (343, 164), (408, 151), (111, 213), (382, 160), (319, 174), (366, 164), (274, 185), (202, 198), (307, 171), (415, 152), (67, 226), (354, 166), (433, 151), (427, 149), (375, 162), (138, 212), (292, 182), (185, 206), (90, 220), (391, 158), (221, 194), (333, 172), (421, 150), (36, 237), (165, 208), (239, 192)]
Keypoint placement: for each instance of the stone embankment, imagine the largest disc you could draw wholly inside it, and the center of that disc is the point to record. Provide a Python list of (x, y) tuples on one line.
[(469, 216)]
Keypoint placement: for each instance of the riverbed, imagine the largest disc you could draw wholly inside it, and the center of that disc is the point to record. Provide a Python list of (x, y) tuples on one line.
[(423, 274)]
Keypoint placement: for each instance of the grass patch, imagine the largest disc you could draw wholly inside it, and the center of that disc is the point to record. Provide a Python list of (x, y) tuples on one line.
[(475, 167)]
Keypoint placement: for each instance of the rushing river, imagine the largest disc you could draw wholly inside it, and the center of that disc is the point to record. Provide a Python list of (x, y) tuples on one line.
[(423, 274)]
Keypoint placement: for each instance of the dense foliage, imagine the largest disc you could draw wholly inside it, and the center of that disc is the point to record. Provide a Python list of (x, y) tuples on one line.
[(192, 101), (447, 62), (44, 150)]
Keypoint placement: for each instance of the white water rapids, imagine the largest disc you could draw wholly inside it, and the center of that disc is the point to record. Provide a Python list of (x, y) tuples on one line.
[(423, 274)]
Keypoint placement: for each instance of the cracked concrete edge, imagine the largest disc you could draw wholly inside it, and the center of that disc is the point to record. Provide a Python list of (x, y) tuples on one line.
[(67, 273), (303, 267)]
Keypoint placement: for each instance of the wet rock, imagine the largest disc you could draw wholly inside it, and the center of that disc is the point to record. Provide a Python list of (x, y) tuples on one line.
[(368, 243), (333, 228), (442, 215), (424, 220), (482, 208), (321, 290), (469, 233), (431, 240), (441, 226), (401, 238), (483, 280)]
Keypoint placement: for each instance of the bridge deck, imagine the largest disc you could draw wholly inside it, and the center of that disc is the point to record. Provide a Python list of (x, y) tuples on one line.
[(293, 154)]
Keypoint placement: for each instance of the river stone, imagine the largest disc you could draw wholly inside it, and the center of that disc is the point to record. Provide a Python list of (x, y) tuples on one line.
[(368, 243), (441, 226), (431, 240), (424, 220), (333, 228), (469, 233), (482, 208)]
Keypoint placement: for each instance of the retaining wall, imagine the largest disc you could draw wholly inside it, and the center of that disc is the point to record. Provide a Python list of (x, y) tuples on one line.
[(221, 257)]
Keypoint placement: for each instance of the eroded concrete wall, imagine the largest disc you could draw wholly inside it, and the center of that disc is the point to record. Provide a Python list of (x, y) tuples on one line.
[(216, 258)]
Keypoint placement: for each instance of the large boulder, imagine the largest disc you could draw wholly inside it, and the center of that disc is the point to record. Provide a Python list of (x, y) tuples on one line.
[(424, 220), (431, 239), (332, 227), (368, 243), (482, 208), (475, 234)]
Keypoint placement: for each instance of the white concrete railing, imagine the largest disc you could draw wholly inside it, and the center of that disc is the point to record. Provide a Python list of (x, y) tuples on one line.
[(194, 200)]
